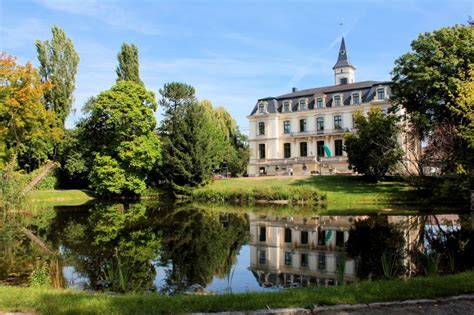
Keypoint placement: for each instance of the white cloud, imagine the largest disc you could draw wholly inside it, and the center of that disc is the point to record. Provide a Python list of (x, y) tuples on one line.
[(24, 33), (105, 11)]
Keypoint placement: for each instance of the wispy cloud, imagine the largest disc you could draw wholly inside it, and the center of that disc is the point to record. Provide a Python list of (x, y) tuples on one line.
[(105, 11), (23, 33)]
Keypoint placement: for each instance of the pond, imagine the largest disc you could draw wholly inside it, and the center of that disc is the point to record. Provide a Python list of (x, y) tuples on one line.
[(197, 249)]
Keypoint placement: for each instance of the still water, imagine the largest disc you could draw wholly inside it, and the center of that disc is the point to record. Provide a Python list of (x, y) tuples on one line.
[(219, 249)]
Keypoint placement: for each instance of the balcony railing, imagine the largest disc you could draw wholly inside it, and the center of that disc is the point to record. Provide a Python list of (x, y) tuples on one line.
[(320, 132)]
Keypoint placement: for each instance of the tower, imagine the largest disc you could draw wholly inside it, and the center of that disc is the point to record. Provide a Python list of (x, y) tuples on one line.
[(344, 71)]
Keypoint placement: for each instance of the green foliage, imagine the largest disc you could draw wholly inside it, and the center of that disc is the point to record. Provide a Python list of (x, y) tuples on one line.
[(192, 140), (74, 159), (119, 140), (40, 277), (58, 64), (129, 67), (11, 188), (298, 194), (426, 81), (374, 150)]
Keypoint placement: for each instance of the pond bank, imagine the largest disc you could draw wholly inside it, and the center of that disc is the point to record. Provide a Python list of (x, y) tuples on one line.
[(49, 301)]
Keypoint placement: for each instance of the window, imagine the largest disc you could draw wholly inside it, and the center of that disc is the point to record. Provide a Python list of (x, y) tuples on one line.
[(319, 102), (322, 237), (343, 81), (303, 149), (302, 104), (261, 128), (287, 235), (355, 98), (302, 125), (286, 127), (287, 150), (288, 258), (286, 106), (304, 260), (261, 150), (304, 237), (322, 261), (320, 125), (320, 147), (339, 238), (337, 100), (381, 94), (338, 147), (263, 234), (262, 257), (338, 122), (261, 108)]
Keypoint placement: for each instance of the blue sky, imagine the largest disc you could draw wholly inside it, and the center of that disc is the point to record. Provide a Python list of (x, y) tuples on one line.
[(232, 52)]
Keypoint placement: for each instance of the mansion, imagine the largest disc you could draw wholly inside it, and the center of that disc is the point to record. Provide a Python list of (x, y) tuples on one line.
[(302, 132)]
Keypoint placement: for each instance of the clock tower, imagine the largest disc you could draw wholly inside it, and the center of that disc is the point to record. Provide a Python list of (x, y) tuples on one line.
[(344, 71)]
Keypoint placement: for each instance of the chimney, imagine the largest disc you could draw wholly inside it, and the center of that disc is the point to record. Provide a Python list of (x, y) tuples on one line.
[(293, 90)]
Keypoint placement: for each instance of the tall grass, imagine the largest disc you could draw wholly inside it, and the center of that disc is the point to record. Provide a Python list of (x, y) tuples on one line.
[(304, 194)]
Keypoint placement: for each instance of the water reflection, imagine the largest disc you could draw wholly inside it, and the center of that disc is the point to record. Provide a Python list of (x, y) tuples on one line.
[(172, 249)]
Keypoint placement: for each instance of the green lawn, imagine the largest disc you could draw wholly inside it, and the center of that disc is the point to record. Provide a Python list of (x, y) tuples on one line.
[(339, 189), (67, 197), (48, 301)]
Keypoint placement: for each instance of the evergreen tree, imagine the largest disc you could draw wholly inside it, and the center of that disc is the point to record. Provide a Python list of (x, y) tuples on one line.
[(190, 138), (58, 64), (128, 68)]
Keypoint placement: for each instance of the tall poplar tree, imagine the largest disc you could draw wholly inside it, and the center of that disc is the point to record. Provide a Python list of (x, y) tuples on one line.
[(58, 64), (129, 67)]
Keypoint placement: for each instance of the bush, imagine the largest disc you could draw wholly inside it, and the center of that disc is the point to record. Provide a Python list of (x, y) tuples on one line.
[(298, 194)]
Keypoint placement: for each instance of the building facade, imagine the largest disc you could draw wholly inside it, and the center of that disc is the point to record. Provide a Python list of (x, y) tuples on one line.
[(302, 132)]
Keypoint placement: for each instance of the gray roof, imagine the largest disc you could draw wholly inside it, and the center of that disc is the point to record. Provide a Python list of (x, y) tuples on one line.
[(343, 58), (367, 89)]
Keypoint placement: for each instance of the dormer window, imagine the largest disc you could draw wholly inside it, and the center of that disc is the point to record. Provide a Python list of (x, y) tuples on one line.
[(302, 105), (286, 106), (355, 98), (343, 81), (319, 102), (337, 100), (261, 108), (380, 94)]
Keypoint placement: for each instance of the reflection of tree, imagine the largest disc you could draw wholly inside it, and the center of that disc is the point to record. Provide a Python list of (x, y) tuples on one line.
[(454, 247), (375, 243), (199, 244), (113, 246)]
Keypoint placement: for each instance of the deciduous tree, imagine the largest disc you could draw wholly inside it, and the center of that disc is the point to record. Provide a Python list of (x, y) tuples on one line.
[(27, 128), (123, 145), (129, 67), (374, 150), (58, 65)]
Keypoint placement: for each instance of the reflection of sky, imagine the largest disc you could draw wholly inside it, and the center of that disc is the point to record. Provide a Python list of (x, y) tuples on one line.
[(74, 279), (242, 280)]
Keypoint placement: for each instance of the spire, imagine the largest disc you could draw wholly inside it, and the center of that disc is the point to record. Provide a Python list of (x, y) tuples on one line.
[(343, 59)]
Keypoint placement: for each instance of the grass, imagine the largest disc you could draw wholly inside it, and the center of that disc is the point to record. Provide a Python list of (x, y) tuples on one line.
[(69, 197), (337, 189), (49, 301)]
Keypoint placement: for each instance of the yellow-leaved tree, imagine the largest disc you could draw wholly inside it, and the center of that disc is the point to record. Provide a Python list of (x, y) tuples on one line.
[(27, 128)]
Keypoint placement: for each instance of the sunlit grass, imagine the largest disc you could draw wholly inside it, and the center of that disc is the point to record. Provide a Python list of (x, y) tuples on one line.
[(337, 189), (48, 301)]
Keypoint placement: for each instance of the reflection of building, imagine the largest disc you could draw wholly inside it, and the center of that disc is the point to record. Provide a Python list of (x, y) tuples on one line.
[(288, 251)]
